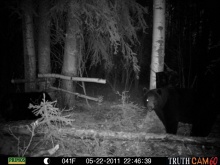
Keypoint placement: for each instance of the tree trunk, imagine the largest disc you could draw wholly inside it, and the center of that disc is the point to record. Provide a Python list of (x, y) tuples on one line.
[(70, 64), (158, 43), (29, 48), (44, 65)]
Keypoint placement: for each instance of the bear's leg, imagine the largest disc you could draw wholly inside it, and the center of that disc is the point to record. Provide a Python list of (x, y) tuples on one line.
[(197, 130), (169, 121), (203, 126), (171, 114), (171, 127)]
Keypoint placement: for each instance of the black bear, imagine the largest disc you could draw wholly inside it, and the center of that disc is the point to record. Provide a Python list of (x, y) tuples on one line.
[(173, 105), (14, 106)]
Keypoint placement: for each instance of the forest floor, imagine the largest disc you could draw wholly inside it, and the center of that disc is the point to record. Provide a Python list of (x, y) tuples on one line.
[(118, 127)]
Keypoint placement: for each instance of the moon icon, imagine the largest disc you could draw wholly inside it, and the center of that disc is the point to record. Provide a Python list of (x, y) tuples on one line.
[(46, 161)]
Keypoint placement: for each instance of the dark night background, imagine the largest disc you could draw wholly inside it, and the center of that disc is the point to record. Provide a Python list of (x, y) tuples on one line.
[(192, 60), (192, 44)]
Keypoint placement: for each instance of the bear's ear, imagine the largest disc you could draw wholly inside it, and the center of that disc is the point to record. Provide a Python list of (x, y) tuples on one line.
[(145, 90), (159, 91)]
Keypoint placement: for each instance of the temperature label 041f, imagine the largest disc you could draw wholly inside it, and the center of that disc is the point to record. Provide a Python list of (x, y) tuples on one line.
[(68, 160)]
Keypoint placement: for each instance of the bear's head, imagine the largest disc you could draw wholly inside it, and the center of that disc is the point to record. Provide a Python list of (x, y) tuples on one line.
[(152, 99)]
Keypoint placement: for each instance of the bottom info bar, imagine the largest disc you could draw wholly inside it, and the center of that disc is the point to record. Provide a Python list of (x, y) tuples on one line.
[(110, 160)]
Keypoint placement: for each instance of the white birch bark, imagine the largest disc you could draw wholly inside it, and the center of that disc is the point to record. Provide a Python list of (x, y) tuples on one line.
[(158, 41)]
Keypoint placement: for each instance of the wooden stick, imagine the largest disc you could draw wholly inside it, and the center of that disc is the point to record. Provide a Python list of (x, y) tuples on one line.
[(17, 81), (95, 80)]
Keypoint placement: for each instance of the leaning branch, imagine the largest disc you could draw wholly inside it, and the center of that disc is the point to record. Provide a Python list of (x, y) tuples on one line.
[(78, 94)]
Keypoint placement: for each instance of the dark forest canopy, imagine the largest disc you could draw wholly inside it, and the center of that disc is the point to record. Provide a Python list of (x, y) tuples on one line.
[(192, 34)]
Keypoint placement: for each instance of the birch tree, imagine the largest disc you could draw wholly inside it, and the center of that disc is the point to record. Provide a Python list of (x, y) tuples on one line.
[(158, 41), (28, 44)]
